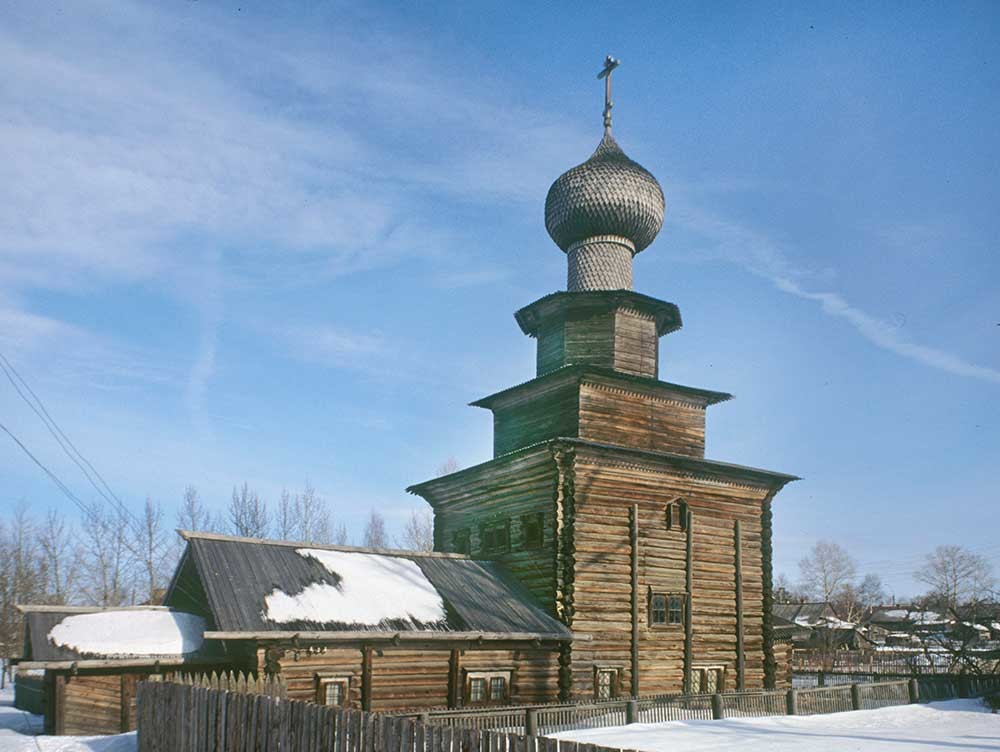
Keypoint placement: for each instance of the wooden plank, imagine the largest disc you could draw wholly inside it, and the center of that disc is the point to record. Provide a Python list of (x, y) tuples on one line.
[(740, 656), (634, 566)]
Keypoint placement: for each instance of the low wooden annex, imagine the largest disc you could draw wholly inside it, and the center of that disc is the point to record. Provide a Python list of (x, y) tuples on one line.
[(90, 680), (368, 628)]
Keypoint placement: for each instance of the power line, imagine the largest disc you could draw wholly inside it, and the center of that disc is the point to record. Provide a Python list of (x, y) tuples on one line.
[(38, 407)]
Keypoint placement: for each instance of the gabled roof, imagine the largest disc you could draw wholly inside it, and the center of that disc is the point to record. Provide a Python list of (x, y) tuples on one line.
[(57, 634), (265, 587)]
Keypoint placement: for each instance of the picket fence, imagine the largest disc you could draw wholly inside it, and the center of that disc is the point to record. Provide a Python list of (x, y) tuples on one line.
[(186, 718), (193, 717)]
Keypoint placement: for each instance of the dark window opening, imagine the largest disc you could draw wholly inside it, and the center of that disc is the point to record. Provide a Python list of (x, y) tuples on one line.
[(675, 610), (533, 530), (494, 538), (677, 515), (659, 609), (333, 691), (460, 542)]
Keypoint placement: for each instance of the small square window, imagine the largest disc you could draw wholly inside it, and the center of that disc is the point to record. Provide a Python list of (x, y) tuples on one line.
[(494, 538), (333, 691), (487, 688), (533, 530), (460, 542), (666, 609), (677, 513)]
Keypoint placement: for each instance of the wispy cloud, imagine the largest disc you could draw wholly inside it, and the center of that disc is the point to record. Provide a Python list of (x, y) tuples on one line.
[(766, 258)]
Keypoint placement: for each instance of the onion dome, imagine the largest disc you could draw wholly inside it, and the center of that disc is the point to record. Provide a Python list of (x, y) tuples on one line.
[(609, 194)]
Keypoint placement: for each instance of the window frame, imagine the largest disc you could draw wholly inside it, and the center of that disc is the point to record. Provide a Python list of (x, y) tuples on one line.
[(493, 527), (676, 515), (487, 677), (614, 685), (667, 597), (325, 680), (527, 523), (703, 673)]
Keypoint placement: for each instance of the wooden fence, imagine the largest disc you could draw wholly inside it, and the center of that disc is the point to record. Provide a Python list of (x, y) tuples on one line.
[(833, 698), (240, 683), (191, 717), (187, 718)]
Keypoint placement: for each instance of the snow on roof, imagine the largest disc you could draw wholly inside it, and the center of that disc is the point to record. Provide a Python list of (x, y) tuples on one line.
[(917, 617), (130, 632), (372, 588)]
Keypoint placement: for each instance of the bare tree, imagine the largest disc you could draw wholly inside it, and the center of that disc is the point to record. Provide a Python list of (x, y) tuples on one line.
[(107, 560), (248, 513), (154, 551), (284, 518), (192, 514), (418, 533), (448, 467), (22, 577), (826, 570), (61, 554), (956, 576), (339, 536), (854, 600), (375, 534), (312, 517)]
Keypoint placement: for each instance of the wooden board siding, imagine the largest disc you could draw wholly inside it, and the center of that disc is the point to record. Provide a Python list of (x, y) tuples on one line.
[(604, 493), (583, 337), (636, 344), (616, 412), (504, 489), (92, 704), (542, 414)]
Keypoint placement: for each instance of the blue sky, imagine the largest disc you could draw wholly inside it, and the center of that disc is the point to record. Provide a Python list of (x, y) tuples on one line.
[(282, 243)]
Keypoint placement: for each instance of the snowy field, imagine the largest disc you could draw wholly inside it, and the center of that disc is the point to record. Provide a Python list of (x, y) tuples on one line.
[(20, 732), (937, 727)]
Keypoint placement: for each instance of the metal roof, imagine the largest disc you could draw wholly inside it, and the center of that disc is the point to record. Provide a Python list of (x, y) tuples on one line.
[(238, 574)]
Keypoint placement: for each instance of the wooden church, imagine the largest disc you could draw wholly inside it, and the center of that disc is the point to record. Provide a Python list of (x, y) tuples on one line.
[(599, 497), (598, 554)]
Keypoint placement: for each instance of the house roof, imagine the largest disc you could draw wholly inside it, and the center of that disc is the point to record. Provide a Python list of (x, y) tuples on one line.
[(265, 588), (59, 634), (805, 614)]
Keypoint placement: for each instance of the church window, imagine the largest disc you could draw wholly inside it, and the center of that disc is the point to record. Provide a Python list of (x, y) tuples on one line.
[(460, 543), (533, 530), (677, 514), (666, 609), (494, 537), (605, 683), (707, 680)]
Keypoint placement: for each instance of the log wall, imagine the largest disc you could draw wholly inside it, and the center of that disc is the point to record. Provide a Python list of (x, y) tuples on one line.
[(504, 489), (424, 677), (90, 704), (602, 592)]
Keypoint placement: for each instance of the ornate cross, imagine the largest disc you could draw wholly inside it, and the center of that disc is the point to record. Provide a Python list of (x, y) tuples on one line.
[(609, 65)]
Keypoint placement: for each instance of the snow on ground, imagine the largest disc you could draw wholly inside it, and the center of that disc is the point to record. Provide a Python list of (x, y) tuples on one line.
[(937, 727), (130, 632), (372, 588), (19, 732)]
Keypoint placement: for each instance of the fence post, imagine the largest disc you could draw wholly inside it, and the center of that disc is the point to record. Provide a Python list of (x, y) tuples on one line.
[(914, 690), (821, 679), (963, 685), (792, 702), (425, 718), (855, 697), (718, 712), (531, 722), (632, 711)]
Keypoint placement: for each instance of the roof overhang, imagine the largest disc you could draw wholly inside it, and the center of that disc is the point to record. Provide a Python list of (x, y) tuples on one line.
[(400, 637), (566, 304)]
